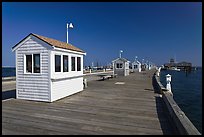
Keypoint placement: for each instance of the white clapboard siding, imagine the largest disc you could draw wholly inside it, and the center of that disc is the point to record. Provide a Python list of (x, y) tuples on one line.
[(36, 98), (65, 88), (33, 86)]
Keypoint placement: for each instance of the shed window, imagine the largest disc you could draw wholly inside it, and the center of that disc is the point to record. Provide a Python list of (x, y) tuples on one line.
[(135, 66), (65, 63), (28, 63), (119, 65), (73, 63), (78, 63), (36, 63), (57, 63)]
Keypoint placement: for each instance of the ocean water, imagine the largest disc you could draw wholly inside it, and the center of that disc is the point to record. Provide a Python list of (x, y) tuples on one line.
[(8, 71), (187, 92)]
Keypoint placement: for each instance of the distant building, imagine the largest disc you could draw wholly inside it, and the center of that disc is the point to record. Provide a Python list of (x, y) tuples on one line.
[(121, 66), (136, 66), (172, 60), (145, 66), (47, 69), (184, 65), (181, 65)]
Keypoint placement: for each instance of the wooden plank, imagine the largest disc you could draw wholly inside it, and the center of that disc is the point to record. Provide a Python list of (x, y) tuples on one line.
[(132, 108), (115, 128), (79, 115)]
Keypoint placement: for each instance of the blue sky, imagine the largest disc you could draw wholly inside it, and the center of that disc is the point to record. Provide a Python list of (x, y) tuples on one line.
[(153, 31)]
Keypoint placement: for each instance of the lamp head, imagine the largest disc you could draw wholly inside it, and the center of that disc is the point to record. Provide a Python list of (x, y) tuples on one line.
[(71, 25), (168, 78)]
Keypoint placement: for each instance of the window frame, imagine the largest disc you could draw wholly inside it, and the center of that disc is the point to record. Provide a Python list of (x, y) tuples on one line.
[(32, 61), (67, 63), (60, 63), (79, 66), (136, 66), (73, 64), (119, 66), (34, 64), (26, 64)]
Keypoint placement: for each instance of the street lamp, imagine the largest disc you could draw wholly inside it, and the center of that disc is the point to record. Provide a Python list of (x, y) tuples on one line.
[(120, 53), (135, 58), (142, 61), (69, 25)]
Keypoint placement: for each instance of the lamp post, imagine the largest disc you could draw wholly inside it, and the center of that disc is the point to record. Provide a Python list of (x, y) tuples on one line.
[(142, 61), (120, 53), (135, 58), (69, 25)]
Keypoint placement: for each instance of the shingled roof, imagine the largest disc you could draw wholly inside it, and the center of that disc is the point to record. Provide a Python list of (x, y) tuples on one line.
[(55, 43)]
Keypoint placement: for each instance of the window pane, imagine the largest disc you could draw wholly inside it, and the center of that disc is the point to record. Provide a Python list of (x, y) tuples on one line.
[(29, 63), (36, 63), (119, 65), (73, 63), (78, 63), (57, 63), (65, 63)]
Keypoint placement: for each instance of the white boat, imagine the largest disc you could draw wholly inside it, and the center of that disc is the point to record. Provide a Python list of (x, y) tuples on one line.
[(175, 68)]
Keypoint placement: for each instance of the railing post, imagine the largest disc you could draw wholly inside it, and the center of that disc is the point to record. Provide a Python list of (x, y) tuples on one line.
[(85, 83), (168, 81), (158, 72)]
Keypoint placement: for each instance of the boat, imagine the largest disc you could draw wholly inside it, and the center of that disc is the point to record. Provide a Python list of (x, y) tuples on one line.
[(175, 68)]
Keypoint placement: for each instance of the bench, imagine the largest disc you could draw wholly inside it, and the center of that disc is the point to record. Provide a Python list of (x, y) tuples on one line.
[(114, 75), (107, 76)]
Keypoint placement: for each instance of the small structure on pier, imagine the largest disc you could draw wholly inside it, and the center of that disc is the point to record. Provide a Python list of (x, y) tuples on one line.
[(145, 67), (121, 67), (47, 69), (136, 66)]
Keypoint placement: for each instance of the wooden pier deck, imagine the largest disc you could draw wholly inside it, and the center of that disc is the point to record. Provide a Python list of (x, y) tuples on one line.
[(124, 105)]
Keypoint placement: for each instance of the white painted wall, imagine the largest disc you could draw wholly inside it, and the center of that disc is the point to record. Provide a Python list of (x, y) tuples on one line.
[(124, 71), (138, 69), (65, 83), (63, 88), (127, 70), (58, 75), (32, 86)]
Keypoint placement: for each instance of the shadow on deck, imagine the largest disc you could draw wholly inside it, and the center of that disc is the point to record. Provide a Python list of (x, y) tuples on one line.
[(166, 126), (8, 94)]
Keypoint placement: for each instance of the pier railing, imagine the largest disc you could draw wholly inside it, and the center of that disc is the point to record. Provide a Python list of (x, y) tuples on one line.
[(8, 78), (182, 124)]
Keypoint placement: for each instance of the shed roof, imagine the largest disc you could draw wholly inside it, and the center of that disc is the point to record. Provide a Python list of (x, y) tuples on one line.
[(53, 42), (136, 62), (122, 59)]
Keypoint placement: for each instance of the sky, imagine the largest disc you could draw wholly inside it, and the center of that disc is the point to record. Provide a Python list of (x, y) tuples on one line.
[(153, 31)]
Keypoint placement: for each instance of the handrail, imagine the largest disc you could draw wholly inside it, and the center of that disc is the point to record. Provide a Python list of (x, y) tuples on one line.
[(181, 121)]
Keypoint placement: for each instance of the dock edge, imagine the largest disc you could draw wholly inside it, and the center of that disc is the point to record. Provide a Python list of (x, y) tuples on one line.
[(183, 125)]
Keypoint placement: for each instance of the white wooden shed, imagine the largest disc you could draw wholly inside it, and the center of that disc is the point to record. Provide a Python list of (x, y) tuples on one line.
[(147, 66), (121, 67), (136, 66), (47, 69)]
